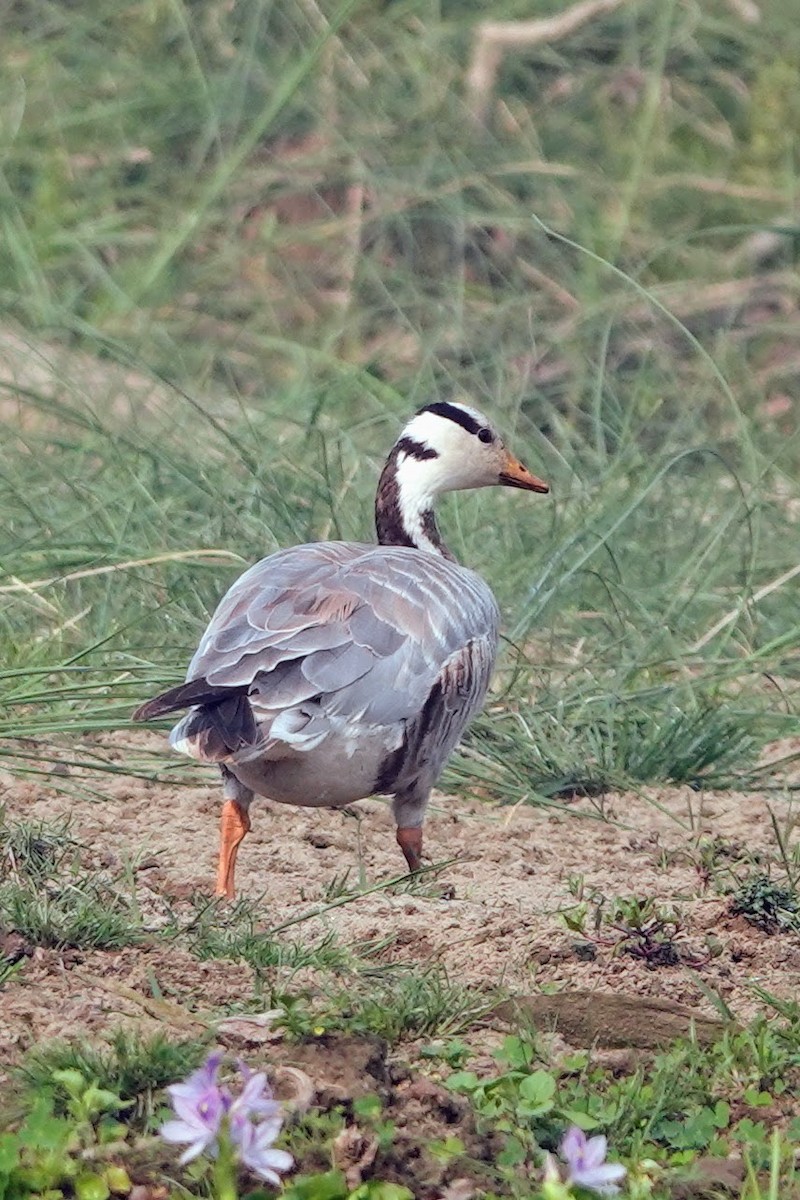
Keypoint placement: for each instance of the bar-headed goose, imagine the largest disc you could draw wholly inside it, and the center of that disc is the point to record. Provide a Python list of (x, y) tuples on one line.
[(336, 670)]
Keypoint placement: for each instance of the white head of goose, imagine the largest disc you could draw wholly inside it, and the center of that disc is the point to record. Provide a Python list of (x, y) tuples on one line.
[(337, 670)]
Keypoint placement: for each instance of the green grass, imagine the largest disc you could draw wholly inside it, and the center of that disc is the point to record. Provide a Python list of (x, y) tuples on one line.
[(410, 1002), (688, 1101), (132, 1066), (239, 244), (672, 493), (681, 1105), (79, 915), (239, 934), (51, 896), (34, 849)]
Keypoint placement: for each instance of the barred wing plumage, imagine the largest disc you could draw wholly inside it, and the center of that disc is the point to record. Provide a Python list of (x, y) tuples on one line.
[(364, 631)]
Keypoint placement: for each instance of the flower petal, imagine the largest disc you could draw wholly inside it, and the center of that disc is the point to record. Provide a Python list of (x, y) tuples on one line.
[(199, 1081), (573, 1145), (255, 1098), (594, 1151), (267, 1163), (268, 1129), (211, 1066), (602, 1179), (608, 1172), (197, 1148), (177, 1131), (253, 1088), (255, 1150), (202, 1111), (281, 1160)]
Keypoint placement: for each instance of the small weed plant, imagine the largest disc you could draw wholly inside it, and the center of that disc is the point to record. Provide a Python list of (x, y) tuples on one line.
[(51, 1154), (767, 904), (639, 927), (128, 1065)]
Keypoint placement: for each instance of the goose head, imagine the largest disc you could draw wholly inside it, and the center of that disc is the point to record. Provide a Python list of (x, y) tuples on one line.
[(449, 447), (445, 447)]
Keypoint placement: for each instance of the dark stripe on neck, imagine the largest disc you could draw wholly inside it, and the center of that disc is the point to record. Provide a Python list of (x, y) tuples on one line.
[(388, 514), (389, 522), (452, 413), (415, 449)]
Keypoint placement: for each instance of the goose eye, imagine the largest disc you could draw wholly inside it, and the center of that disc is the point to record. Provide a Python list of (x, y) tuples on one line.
[(485, 435)]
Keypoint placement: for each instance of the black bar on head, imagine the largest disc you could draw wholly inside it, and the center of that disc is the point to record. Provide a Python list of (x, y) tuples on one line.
[(414, 449), (452, 413)]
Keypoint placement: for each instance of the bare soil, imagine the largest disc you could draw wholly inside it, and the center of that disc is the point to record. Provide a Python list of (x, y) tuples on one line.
[(500, 924)]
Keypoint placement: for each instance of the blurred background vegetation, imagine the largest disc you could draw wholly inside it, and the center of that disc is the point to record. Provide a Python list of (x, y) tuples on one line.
[(241, 241)]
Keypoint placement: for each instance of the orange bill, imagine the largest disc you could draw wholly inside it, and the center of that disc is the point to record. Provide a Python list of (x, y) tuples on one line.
[(514, 474)]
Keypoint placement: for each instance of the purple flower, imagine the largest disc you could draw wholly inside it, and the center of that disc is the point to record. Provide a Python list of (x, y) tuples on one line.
[(254, 1146), (585, 1158), (199, 1104), (254, 1101), (255, 1098), (208, 1113)]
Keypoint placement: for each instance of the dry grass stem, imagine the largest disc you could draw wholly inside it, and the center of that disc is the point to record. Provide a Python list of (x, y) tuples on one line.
[(745, 606), (717, 187), (493, 38), (174, 556)]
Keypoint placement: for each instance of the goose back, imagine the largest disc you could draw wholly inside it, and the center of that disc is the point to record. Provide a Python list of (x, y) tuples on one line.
[(365, 630)]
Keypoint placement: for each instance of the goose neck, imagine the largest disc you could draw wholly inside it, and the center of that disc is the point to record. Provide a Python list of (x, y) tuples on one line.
[(404, 501)]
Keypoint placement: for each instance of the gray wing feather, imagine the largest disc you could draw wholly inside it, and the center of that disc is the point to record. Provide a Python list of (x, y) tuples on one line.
[(366, 630), (431, 737), (334, 670)]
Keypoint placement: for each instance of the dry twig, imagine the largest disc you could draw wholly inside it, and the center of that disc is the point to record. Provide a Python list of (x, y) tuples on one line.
[(493, 38)]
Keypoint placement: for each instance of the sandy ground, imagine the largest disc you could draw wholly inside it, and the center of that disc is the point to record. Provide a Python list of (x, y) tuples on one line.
[(500, 925)]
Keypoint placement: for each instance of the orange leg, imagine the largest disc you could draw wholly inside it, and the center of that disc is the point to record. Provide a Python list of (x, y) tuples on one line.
[(410, 842), (234, 824)]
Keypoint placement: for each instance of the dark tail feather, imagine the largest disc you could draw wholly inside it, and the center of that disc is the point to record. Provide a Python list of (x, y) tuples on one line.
[(186, 695), (216, 731)]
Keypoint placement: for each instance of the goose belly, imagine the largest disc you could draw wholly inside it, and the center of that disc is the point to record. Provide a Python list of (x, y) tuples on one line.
[(336, 772)]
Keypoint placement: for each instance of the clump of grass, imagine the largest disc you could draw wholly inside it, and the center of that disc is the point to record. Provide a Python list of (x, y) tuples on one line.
[(699, 745), (391, 1004), (86, 914), (33, 849), (768, 905), (49, 898), (407, 1003), (130, 1065), (214, 931), (587, 750)]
